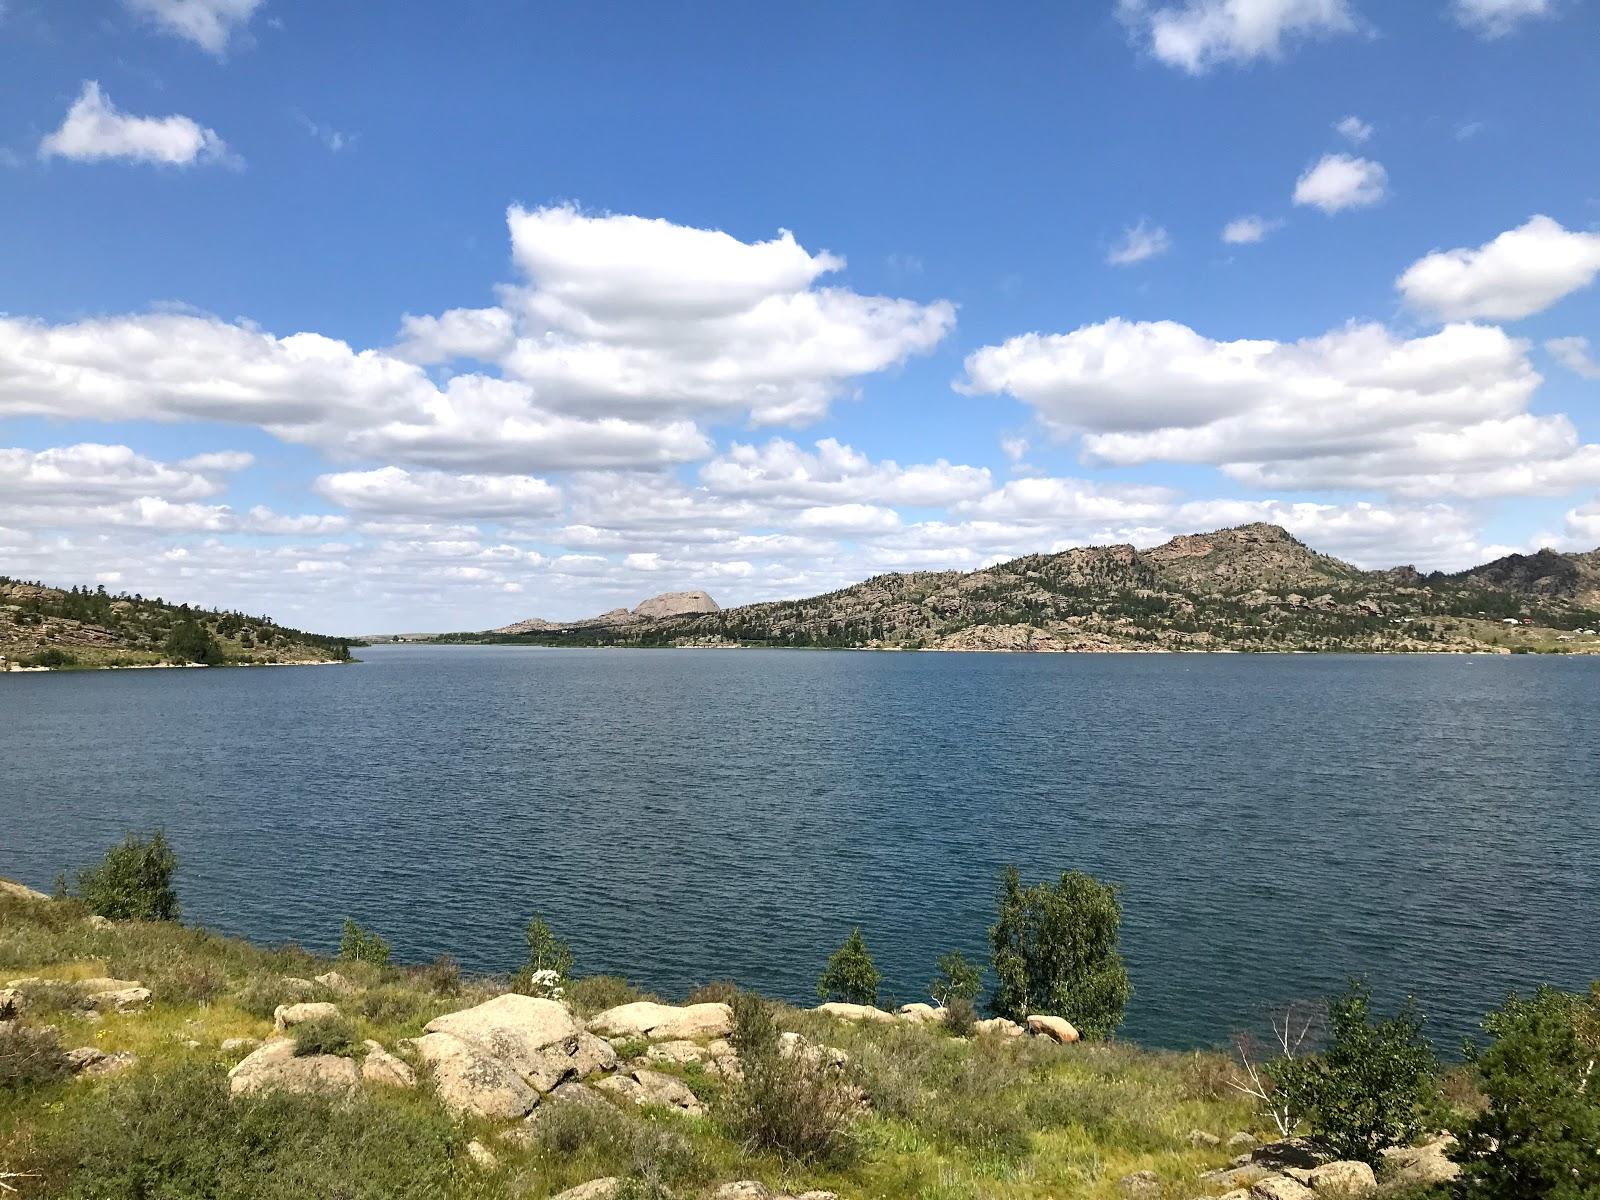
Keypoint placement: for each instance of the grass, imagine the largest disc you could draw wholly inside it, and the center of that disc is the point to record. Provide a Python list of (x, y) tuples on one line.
[(950, 1119)]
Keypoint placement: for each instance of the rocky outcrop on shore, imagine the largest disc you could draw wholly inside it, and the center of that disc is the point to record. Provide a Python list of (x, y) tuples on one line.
[(657, 608)]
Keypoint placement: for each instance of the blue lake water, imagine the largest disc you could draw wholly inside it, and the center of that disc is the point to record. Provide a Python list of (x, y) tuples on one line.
[(1277, 823)]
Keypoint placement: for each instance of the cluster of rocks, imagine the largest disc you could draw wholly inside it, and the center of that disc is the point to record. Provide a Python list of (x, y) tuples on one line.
[(99, 995), (1300, 1169), (1057, 1029), (275, 1065)]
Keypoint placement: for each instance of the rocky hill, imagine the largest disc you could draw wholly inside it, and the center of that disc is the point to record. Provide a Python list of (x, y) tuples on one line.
[(666, 605), (1255, 587), (46, 627)]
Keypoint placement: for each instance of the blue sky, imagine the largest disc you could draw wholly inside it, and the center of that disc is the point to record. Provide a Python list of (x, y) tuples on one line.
[(384, 319)]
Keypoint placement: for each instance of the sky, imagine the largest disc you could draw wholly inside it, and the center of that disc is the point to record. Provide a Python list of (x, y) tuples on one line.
[(422, 317)]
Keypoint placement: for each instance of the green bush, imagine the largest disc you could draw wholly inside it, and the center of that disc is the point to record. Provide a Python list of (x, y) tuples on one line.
[(54, 656), (191, 642), (956, 978), (29, 1057), (611, 1141), (850, 974), (173, 1134), (133, 881), (361, 945), (596, 993), (1055, 951), (260, 997), (1368, 1089), (1537, 1138), (550, 961), (718, 991), (325, 1035), (795, 1105), (960, 1017)]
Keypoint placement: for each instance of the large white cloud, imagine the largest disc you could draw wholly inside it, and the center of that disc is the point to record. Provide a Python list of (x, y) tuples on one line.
[(1356, 408), (1496, 18), (440, 494), (640, 317), (96, 129), (780, 472), (1196, 35), (1521, 272), (209, 24), (89, 471), (1339, 181)]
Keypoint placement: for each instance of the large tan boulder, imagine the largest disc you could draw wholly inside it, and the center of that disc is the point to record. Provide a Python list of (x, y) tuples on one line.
[(1344, 1178), (595, 1189), (113, 995), (20, 890), (287, 1016), (276, 1067), (384, 1069), (91, 1060), (339, 985), (1057, 1029), (1280, 1187), (1000, 1026), (921, 1014), (663, 1022), (839, 1010), (494, 1060), (1425, 1164), (653, 1089)]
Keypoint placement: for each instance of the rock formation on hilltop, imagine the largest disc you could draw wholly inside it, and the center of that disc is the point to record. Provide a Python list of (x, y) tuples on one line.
[(668, 604), (1254, 587)]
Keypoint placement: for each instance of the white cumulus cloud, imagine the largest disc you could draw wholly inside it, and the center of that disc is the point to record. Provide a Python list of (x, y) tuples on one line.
[(95, 129), (1246, 231), (1521, 272), (1574, 354), (209, 24), (1496, 18), (1197, 35), (1353, 128), (1340, 181), (440, 494), (1139, 242)]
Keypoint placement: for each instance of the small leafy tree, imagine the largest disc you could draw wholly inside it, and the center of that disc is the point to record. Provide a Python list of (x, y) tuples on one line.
[(850, 974), (1367, 1089), (1538, 1135), (362, 945), (1055, 951), (957, 979), (549, 963), (133, 881)]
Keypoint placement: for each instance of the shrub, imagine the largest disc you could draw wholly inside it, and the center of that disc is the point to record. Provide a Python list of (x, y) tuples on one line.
[(1367, 1089), (261, 997), (29, 1057), (596, 993), (956, 979), (549, 964), (442, 976), (795, 1105), (325, 1035), (361, 945), (645, 1150), (172, 1133), (133, 881), (54, 656), (1537, 1136), (1055, 951), (718, 991), (960, 1016), (191, 642), (850, 974)]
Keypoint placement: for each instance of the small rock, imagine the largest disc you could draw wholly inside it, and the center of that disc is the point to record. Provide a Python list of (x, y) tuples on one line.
[(853, 1012), (1280, 1187), (1002, 1026), (1141, 1185), (595, 1189), (1199, 1137), (89, 1060), (653, 1089), (1344, 1178), (235, 1044), (1425, 1164), (384, 1069), (113, 995), (1057, 1029), (743, 1189), (1242, 1141), (96, 921), (340, 985), (297, 986), (482, 1157), (679, 1051), (11, 1001), (287, 1016)]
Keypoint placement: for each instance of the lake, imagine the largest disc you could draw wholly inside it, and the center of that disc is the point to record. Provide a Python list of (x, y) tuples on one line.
[(1277, 823)]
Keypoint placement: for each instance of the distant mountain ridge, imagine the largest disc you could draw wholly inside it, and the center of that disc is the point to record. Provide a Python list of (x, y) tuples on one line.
[(1252, 587), (667, 604)]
